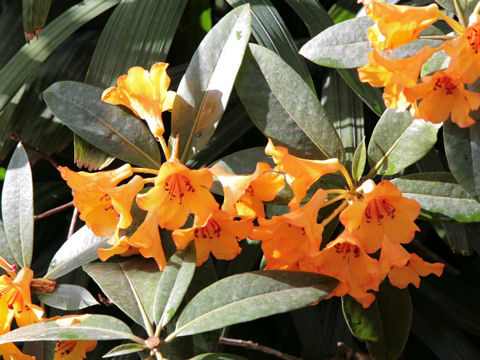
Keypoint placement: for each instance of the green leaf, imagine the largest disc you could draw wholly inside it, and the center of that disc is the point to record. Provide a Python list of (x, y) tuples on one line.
[(17, 207), (463, 155), (5, 252), (313, 14), (284, 108), (30, 56), (79, 106), (271, 32), (94, 327), (385, 325), (245, 161), (439, 193), (466, 5), (399, 140), (173, 285), (359, 160), (250, 296), (35, 14), (68, 297), (2, 173), (128, 284), (454, 235), (202, 96), (77, 250), (124, 349), (218, 356)]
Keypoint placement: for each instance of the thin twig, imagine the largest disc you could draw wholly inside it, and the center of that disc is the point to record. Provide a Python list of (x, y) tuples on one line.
[(53, 211), (254, 346), (73, 222), (16, 137)]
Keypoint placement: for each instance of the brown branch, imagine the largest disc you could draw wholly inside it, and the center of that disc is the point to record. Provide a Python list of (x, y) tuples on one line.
[(71, 229), (53, 211), (16, 137), (254, 346)]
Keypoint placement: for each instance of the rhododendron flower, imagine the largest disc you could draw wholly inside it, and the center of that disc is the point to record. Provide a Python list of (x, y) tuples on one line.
[(411, 272), (245, 194), (177, 191), (73, 349), (10, 352), (392, 254), (120, 246), (300, 173), (394, 75), (345, 260), (145, 93), (380, 210), (103, 205), (465, 54), (442, 95), (16, 302), (219, 234), (397, 25)]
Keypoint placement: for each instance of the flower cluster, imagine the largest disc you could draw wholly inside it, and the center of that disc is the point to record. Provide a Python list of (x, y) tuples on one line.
[(438, 96)]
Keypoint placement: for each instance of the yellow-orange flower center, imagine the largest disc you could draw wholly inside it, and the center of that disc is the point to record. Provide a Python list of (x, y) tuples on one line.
[(377, 209), (211, 230), (14, 298), (176, 185), (65, 347), (473, 37), (347, 249), (445, 83)]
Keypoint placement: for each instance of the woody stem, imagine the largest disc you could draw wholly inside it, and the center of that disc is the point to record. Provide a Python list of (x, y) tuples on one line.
[(332, 216)]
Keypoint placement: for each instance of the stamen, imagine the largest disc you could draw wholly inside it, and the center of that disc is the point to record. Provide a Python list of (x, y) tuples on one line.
[(176, 185), (211, 230), (9, 268), (65, 347), (473, 37), (377, 209), (446, 83)]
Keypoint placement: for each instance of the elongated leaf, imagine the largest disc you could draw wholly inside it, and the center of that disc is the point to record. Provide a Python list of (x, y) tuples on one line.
[(385, 325), (20, 66), (284, 108), (204, 91), (245, 161), (17, 207), (79, 249), (217, 356), (454, 235), (128, 285), (5, 252), (359, 160), (93, 327), (124, 349), (249, 296), (270, 31), (137, 33), (68, 297), (173, 285), (79, 106), (35, 14), (403, 138), (463, 155), (439, 193)]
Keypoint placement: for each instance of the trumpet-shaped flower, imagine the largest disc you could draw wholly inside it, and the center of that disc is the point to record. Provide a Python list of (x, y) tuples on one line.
[(380, 210), (10, 352), (219, 234), (345, 260), (145, 93), (73, 349), (120, 246), (177, 191), (394, 75), (300, 173), (245, 194), (397, 25), (442, 95), (411, 272)]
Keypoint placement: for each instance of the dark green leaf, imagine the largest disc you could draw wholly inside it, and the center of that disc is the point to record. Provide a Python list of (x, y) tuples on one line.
[(250, 296), (463, 155), (455, 235), (385, 325), (202, 95), (284, 108), (313, 15), (124, 349), (2, 173), (466, 5), (402, 138), (17, 207), (79, 106), (359, 160), (128, 284), (439, 193), (35, 14), (217, 356), (245, 161), (173, 285), (68, 297), (77, 250), (99, 327)]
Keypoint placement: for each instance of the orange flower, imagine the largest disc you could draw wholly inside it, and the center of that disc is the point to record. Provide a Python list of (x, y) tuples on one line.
[(103, 206), (145, 93), (411, 272), (10, 352), (392, 254), (244, 194), (15, 300), (300, 173), (380, 210), (177, 191), (465, 54), (73, 349), (345, 260), (397, 25), (120, 246), (219, 235), (394, 75), (442, 95)]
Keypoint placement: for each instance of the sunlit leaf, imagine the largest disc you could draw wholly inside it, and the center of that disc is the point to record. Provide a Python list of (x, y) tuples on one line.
[(68, 297)]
